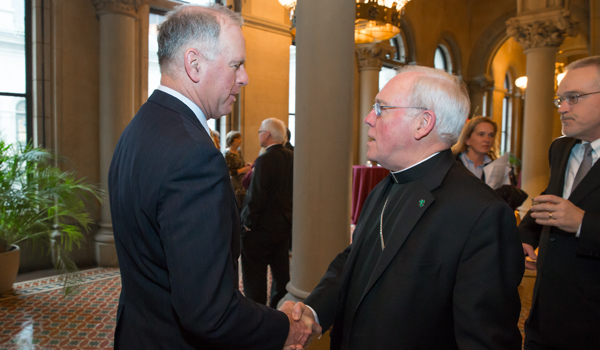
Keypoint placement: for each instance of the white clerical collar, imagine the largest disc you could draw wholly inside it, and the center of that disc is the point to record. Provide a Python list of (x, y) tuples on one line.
[(197, 111), (414, 165)]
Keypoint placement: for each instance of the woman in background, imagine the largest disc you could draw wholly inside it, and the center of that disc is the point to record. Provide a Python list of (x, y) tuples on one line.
[(476, 148), (237, 166)]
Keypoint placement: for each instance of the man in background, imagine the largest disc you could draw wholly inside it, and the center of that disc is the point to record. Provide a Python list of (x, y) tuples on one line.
[(288, 145), (174, 213), (267, 217), (565, 223)]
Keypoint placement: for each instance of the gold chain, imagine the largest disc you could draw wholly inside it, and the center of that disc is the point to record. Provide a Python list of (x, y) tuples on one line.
[(381, 224)]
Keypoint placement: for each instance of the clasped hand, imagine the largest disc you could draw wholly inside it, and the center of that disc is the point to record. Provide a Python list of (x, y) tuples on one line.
[(302, 325)]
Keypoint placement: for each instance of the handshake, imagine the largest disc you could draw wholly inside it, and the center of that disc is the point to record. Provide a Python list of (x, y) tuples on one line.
[(302, 325)]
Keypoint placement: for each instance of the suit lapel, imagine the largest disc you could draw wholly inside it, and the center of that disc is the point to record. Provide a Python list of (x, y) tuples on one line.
[(410, 208), (557, 185), (588, 184)]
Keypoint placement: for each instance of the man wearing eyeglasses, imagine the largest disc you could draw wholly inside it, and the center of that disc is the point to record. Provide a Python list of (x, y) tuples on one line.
[(432, 264), (565, 223)]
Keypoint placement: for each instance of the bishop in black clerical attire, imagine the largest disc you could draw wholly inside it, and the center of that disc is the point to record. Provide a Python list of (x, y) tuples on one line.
[(436, 260)]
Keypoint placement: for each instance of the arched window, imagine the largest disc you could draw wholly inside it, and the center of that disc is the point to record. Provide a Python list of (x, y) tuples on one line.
[(397, 43), (442, 59), (505, 138)]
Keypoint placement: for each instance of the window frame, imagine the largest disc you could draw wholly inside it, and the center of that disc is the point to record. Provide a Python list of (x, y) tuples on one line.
[(28, 94)]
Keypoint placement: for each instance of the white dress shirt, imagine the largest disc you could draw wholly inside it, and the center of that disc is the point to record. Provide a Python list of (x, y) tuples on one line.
[(575, 160), (197, 111)]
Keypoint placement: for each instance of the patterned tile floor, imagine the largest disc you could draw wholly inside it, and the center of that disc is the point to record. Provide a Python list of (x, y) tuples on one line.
[(37, 316)]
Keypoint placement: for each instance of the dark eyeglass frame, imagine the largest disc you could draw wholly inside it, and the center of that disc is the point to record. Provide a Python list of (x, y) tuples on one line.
[(571, 99), (378, 108)]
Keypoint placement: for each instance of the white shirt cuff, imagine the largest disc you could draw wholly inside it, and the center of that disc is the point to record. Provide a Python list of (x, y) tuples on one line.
[(314, 314)]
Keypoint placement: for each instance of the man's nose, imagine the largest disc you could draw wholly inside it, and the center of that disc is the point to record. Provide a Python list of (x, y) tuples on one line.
[(242, 76), (371, 118), (564, 107)]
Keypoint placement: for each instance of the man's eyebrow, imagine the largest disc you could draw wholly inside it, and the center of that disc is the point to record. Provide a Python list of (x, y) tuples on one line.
[(569, 93), (238, 62)]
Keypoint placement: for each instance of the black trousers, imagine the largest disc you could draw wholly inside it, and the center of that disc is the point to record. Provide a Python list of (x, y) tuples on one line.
[(259, 249)]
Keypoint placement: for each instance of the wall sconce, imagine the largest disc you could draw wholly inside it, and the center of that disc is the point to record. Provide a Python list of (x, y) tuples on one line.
[(521, 83), (559, 74)]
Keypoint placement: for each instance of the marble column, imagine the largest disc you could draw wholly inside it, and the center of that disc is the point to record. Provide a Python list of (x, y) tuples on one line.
[(369, 58), (540, 35), (117, 65), (322, 153)]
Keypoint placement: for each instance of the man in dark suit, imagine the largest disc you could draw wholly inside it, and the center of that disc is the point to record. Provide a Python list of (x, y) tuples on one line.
[(434, 262), (565, 224), (174, 212), (267, 217), (288, 145)]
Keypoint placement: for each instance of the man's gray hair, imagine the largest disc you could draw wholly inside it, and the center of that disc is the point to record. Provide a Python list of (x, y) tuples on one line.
[(276, 128), (192, 26), (592, 61), (444, 94)]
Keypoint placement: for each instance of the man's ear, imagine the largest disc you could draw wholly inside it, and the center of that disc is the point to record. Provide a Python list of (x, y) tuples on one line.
[(192, 59), (426, 124)]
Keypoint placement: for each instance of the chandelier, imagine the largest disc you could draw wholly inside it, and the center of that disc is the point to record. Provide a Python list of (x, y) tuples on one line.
[(376, 20)]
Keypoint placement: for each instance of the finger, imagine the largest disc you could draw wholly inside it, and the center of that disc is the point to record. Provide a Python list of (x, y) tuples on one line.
[(316, 328), (297, 311), (544, 207), (530, 265), (549, 198)]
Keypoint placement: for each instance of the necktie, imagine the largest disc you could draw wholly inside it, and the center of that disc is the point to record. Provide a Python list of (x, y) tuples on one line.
[(586, 165)]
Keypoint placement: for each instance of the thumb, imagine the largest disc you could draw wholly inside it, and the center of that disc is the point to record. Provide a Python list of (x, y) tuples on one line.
[(297, 311)]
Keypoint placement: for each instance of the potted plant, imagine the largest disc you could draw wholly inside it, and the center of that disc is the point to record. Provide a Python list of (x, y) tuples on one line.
[(41, 203)]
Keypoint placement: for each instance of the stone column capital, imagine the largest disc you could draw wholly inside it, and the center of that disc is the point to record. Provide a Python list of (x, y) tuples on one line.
[(370, 55), (480, 83), (541, 30), (124, 7)]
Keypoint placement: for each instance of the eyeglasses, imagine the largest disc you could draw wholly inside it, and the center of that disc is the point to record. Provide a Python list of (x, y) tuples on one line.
[(571, 99), (261, 131), (378, 108)]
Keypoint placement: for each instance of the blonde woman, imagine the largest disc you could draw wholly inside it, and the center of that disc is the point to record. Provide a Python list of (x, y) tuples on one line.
[(476, 148)]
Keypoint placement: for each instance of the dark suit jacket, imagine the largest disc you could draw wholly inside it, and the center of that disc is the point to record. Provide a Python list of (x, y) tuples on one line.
[(566, 298), (268, 204), (447, 278), (177, 236)]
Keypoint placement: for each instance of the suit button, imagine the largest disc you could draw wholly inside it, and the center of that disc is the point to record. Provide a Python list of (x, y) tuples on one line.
[(552, 239)]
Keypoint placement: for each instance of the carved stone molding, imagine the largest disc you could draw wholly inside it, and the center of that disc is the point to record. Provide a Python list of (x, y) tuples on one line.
[(480, 84), (370, 55), (541, 30), (125, 7)]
